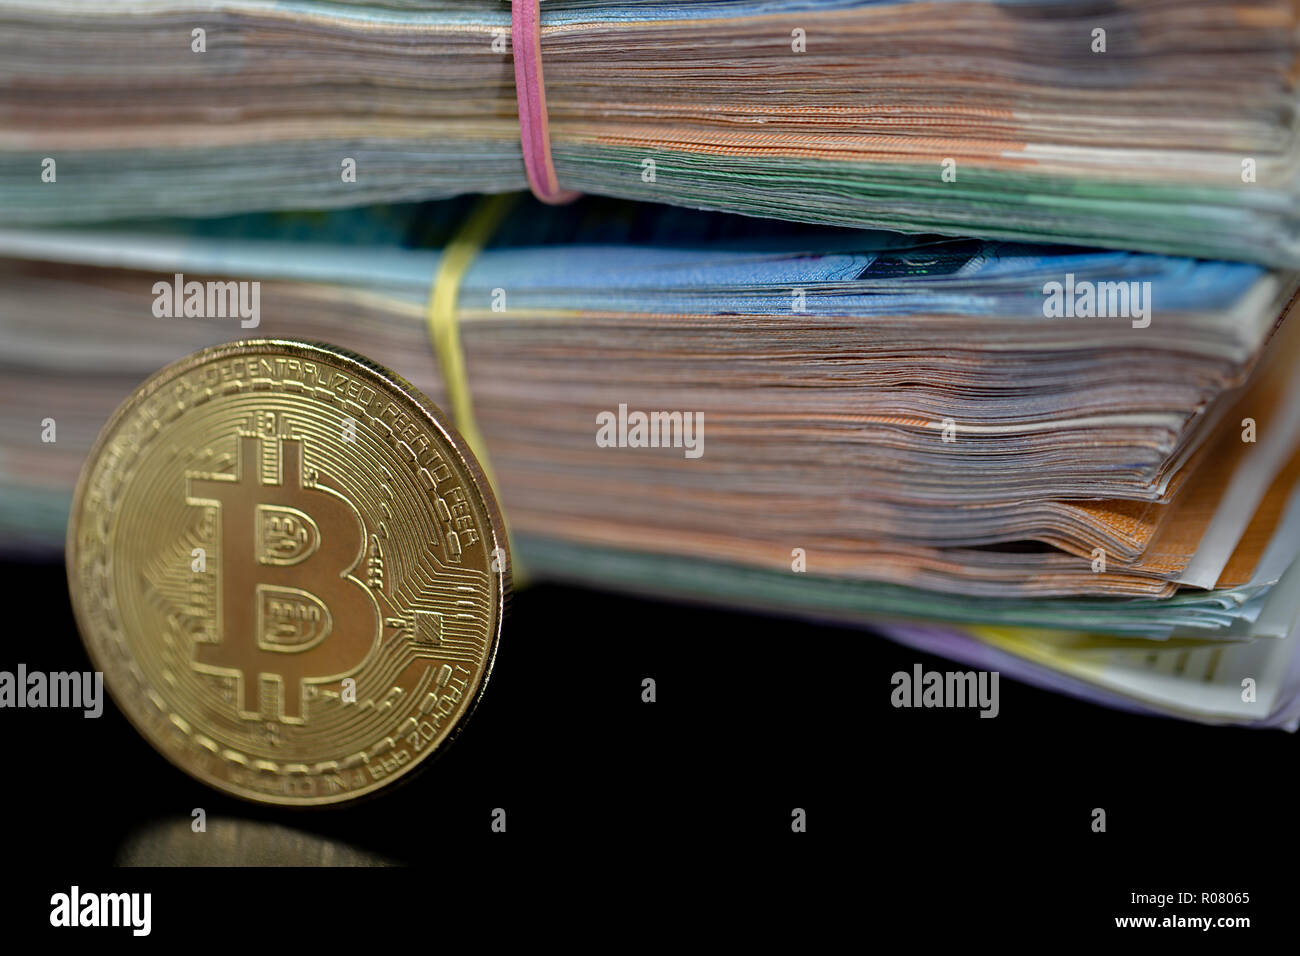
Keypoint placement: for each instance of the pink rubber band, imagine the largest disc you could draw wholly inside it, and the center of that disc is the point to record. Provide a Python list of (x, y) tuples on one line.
[(530, 91)]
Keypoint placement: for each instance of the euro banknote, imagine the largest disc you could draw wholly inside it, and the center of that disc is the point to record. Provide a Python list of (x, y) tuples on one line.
[(1166, 127), (844, 423)]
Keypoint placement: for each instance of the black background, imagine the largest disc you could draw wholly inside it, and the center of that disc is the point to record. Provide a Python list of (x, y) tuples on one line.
[(911, 813)]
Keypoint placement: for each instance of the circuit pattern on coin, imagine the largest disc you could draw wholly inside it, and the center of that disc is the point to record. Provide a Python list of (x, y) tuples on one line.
[(291, 572)]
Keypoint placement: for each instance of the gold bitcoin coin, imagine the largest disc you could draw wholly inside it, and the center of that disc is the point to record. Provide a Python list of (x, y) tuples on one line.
[(291, 571)]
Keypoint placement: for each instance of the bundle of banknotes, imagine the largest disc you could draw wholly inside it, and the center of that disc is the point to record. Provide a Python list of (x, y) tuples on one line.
[(1072, 465), (1166, 127)]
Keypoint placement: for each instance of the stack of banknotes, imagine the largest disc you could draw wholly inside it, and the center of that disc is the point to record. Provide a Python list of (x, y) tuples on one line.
[(1156, 126), (1072, 465)]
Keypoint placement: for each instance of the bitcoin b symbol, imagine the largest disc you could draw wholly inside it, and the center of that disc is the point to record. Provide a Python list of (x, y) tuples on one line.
[(289, 612)]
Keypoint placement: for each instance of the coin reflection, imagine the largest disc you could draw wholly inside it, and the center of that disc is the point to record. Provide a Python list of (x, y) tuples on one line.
[(237, 842)]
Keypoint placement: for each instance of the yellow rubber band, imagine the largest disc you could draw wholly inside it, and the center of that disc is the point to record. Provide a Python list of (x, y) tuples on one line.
[(444, 330)]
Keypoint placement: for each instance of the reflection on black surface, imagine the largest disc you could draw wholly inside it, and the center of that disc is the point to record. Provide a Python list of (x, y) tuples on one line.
[(231, 842)]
